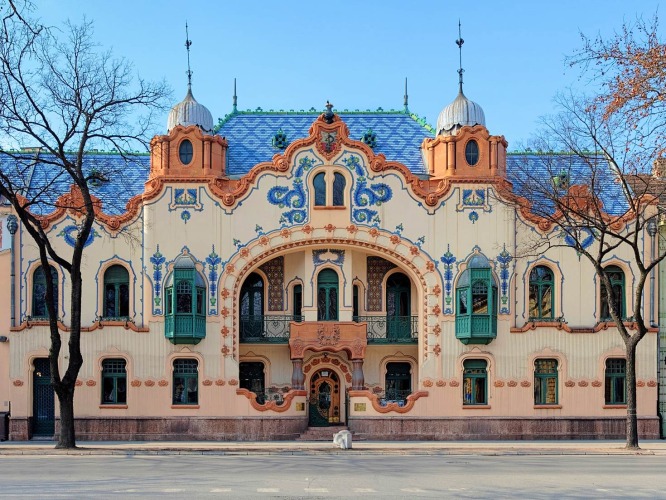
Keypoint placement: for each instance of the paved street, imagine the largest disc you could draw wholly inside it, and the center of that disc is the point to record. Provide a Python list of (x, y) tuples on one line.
[(326, 476)]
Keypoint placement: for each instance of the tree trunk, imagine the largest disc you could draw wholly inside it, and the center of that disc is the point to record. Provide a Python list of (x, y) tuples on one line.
[(67, 438), (632, 418)]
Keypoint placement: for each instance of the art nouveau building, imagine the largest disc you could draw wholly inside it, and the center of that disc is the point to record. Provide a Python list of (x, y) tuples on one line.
[(298, 269)]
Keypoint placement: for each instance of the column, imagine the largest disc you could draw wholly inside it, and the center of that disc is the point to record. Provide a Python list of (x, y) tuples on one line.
[(358, 379), (297, 376)]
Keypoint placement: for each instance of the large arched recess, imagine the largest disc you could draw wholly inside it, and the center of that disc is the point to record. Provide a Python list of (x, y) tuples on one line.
[(415, 263)]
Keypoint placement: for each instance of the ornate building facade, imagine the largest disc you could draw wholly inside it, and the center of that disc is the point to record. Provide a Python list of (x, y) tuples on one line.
[(285, 270)]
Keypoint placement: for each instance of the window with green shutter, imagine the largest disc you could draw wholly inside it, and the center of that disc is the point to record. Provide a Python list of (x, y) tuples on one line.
[(116, 293), (475, 382), (185, 303), (545, 382), (185, 382), (476, 303), (114, 381), (616, 381)]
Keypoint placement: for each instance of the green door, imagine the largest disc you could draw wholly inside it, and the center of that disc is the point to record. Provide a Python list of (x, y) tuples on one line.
[(398, 314), (43, 404)]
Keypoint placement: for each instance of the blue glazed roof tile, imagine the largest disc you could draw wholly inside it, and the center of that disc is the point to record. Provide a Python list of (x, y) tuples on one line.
[(250, 134)]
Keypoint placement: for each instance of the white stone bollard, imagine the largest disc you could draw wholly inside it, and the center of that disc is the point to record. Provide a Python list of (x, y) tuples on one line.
[(343, 439)]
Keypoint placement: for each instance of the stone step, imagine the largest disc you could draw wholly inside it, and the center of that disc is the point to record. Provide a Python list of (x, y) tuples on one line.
[(321, 433)]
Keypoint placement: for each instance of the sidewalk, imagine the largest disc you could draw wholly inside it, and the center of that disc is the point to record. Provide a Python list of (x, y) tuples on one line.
[(648, 447)]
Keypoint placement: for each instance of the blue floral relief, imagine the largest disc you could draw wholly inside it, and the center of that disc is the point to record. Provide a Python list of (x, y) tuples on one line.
[(584, 242), (366, 195), (213, 261), (504, 258), (185, 215), (294, 197), (185, 196), (474, 197), (448, 259), (473, 216), (70, 233), (157, 260)]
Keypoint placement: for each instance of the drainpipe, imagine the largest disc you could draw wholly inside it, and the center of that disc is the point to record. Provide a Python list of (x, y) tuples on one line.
[(652, 231), (12, 227)]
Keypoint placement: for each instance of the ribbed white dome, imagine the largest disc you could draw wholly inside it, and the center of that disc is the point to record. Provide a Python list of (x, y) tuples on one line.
[(190, 112), (459, 113)]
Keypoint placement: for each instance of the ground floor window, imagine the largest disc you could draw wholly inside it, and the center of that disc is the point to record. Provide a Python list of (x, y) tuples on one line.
[(545, 382), (114, 381), (185, 382), (398, 381), (475, 382), (253, 379), (616, 381)]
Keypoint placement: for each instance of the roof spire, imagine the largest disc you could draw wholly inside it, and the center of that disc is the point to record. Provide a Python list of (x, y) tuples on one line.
[(459, 43), (406, 97), (235, 99), (188, 43)]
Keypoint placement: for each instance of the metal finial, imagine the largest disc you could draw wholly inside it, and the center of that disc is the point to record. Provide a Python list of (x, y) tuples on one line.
[(459, 43), (188, 43), (406, 97), (235, 99)]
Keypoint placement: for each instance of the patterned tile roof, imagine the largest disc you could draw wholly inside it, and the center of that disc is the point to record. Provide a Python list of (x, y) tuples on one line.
[(595, 172), (398, 135)]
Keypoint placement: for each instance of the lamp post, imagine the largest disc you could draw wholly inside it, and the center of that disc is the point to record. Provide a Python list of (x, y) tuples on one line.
[(12, 227)]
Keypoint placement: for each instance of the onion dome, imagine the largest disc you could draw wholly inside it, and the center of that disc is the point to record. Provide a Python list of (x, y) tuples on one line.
[(460, 113), (190, 112)]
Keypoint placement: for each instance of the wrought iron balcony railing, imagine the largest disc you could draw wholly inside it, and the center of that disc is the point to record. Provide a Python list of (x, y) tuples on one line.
[(266, 329), (390, 329), (393, 396)]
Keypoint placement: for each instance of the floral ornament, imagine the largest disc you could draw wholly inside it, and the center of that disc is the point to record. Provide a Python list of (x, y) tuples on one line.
[(584, 236), (366, 195), (473, 216), (70, 233), (213, 261), (369, 138), (448, 259), (504, 258), (280, 140), (399, 228), (157, 260), (292, 198), (185, 215)]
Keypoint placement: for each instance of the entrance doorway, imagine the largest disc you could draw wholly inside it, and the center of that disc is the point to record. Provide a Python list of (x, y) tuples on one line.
[(43, 404), (324, 399)]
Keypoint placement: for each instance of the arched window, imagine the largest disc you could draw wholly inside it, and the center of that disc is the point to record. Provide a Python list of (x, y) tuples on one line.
[(475, 382), (545, 382), (185, 152), (398, 305), (298, 303), (355, 310), (252, 307), (253, 379), (476, 299), (185, 382), (327, 295), (116, 292), (338, 189), (616, 381), (398, 382), (319, 183), (185, 303), (39, 309), (541, 293), (114, 381), (616, 277)]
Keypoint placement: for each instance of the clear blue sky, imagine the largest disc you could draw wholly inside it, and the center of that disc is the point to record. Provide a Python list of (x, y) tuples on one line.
[(297, 54)]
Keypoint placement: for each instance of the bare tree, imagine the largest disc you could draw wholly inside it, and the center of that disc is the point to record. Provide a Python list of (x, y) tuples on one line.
[(62, 96), (591, 199)]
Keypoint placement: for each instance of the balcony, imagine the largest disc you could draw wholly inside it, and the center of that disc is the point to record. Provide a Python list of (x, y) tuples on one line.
[(266, 329), (390, 329), (185, 328), (476, 328)]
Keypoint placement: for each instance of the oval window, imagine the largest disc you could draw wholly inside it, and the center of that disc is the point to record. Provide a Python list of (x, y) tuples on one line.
[(472, 153), (185, 152)]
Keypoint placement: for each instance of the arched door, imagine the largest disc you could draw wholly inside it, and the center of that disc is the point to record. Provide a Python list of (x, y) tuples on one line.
[(324, 399), (252, 307), (398, 301), (43, 403)]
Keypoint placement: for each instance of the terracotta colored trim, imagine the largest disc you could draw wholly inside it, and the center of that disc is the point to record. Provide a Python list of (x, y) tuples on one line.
[(113, 407), (271, 405), (476, 407), (548, 407), (374, 400), (602, 325), (185, 407), (127, 325), (614, 407)]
